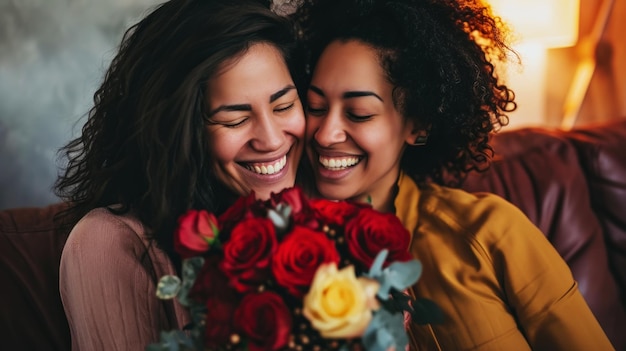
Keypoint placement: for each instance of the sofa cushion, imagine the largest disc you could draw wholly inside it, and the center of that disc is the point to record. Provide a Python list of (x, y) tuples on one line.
[(538, 170), (32, 315)]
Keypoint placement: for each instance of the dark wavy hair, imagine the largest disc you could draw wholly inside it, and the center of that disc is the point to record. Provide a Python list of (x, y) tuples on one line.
[(439, 55), (144, 145)]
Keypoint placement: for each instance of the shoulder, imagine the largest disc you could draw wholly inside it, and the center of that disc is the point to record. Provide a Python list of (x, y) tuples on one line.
[(484, 217), (468, 207), (101, 230)]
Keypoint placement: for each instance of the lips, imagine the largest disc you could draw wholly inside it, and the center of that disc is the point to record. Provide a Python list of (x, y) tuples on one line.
[(266, 168)]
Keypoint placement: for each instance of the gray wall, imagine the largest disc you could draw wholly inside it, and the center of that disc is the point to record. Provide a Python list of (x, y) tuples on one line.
[(53, 54)]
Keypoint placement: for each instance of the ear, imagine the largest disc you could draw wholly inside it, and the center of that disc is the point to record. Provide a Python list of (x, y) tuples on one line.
[(417, 135)]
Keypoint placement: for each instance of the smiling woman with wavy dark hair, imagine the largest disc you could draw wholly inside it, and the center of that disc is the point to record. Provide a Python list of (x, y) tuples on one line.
[(198, 106)]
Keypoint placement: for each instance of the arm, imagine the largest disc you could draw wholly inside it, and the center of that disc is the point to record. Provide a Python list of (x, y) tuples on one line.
[(107, 284), (539, 287)]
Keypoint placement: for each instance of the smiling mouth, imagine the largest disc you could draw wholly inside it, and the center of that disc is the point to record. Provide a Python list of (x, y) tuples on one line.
[(339, 163), (267, 168)]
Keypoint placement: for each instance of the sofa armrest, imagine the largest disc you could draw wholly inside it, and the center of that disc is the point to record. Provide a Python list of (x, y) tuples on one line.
[(32, 315)]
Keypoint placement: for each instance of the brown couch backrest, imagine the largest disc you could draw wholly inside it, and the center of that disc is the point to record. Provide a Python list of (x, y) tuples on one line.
[(32, 316), (602, 153)]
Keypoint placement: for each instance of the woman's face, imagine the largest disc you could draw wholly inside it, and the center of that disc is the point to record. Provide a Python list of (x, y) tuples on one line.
[(355, 136), (256, 123)]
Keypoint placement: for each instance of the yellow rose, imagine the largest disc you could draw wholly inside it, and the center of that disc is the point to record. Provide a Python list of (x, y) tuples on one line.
[(339, 305)]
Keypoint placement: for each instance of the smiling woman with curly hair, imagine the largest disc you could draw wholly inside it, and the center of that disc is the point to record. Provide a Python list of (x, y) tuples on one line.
[(402, 98), (442, 80)]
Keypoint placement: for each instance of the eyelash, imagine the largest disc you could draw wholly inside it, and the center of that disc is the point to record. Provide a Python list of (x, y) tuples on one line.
[(283, 109), (351, 116), (359, 118), (315, 111), (234, 125), (238, 124)]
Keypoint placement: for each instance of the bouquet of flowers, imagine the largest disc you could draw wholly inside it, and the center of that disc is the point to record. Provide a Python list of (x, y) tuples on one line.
[(292, 273)]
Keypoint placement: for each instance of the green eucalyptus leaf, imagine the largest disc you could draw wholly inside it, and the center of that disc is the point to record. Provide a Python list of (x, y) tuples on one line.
[(280, 216), (397, 276), (190, 270), (425, 311), (401, 275), (174, 340), (385, 331), (376, 270), (168, 287)]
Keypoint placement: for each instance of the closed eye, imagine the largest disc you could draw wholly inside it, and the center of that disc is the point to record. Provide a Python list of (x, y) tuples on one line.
[(234, 124), (315, 111), (284, 108), (359, 118)]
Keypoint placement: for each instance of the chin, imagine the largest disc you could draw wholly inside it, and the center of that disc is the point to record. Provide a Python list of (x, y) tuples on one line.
[(332, 191)]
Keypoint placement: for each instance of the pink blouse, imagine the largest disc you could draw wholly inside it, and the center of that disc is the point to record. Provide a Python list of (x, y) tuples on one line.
[(108, 276)]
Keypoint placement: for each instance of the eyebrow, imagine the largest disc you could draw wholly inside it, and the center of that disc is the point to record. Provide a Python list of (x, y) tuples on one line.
[(239, 107), (277, 95), (247, 107), (347, 94)]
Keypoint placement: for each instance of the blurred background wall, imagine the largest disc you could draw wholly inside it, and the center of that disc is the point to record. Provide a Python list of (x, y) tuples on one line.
[(53, 54)]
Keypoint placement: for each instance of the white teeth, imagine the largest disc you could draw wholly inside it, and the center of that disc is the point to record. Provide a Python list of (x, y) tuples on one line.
[(338, 163), (269, 169)]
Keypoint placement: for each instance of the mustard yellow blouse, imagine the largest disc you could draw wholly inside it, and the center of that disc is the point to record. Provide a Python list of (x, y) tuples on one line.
[(498, 280)]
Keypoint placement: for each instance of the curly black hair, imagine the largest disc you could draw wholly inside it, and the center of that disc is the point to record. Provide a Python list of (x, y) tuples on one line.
[(144, 145), (439, 55)]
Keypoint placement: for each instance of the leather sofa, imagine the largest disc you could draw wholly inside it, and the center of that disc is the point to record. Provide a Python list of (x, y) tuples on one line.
[(572, 185)]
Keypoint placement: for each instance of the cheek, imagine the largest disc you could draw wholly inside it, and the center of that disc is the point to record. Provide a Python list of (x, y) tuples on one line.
[(223, 147), (312, 125), (296, 125), (380, 139)]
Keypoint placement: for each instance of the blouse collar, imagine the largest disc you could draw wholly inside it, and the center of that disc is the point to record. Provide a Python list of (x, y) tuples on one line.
[(406, 202)]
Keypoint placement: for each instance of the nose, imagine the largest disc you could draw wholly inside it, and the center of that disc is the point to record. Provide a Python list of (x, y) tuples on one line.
[(269, 134), (328, 129)]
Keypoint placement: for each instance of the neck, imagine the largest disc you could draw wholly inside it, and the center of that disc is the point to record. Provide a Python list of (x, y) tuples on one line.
[(383, 198)]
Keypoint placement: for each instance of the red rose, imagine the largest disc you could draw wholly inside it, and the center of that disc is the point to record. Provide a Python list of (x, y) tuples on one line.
[(248, 252), (301, 210), (210, 281), (264, 321), (293, 197), (298, 257), (245, 207), (197, 229), (336, 212), (219, 321), (371, 231), (211, 289)]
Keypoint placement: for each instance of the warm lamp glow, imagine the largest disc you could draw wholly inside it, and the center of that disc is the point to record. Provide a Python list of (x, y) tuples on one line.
[(551, 23)]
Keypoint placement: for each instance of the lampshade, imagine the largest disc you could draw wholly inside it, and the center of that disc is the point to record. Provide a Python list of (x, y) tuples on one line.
[(551, 23)]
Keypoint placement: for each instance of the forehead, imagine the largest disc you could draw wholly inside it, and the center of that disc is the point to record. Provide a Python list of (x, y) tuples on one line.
[(259, 71), (350, 65)]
